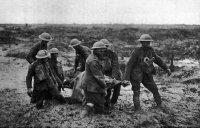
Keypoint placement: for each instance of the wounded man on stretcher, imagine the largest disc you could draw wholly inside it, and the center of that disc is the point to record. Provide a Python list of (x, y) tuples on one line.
[(75, 82)]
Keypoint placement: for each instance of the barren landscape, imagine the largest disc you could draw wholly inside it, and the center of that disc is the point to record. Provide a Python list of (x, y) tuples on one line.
[(180, 92)]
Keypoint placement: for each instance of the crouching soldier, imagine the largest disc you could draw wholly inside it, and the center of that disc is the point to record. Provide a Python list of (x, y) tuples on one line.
[(45, 83), (57, 67), (111, 68), (94, 85), (140, 69), (82, 52)]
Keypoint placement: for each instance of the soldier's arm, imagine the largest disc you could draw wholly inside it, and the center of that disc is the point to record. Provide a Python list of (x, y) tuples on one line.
[(31, 54), (159, 62), (115, 66), (62, 75), (76, 62), (97, 73), (130, 65), (29, 76)]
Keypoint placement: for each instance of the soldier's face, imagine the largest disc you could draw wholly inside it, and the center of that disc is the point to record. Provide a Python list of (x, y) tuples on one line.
[(145, 43), (44, 60), (54, 55), (76, 47), (44, 41), (100, 53)]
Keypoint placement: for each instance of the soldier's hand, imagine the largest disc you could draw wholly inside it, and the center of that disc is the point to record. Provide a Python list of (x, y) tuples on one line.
[(125, 83), (62, 87), (169, 72), (30, 92)]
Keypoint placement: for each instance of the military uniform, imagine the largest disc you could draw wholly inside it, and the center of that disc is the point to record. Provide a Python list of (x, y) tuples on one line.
[(58, 70), (81, 55), (33, 51), (45, 83), (93, 83), (138, 71), (111, 68)]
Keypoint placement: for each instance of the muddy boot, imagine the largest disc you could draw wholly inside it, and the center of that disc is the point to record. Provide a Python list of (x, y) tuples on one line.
[(33, 100), (107, 105), (39, 104), (136, 100), (157, 98), (99, 109), (112, 106), (86, 110), (61, 99)]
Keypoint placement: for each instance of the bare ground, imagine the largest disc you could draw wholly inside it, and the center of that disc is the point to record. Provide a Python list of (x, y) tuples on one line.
[(181, 100)]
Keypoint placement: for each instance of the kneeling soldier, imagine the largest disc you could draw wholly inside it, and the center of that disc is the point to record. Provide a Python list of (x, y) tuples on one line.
[(44, 80)]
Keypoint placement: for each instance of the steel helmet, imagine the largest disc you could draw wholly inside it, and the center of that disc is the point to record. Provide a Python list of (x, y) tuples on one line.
[(145, 37), (74, 42), (106, 42), (42, 54), (98, 45), (53, 50), (45, 36)]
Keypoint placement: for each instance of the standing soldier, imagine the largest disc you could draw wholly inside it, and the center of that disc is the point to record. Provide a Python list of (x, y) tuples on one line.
[(82, 52), (44, 80), (45, 38), (140, 69), (111, 69), (56, 66), (94, 85)]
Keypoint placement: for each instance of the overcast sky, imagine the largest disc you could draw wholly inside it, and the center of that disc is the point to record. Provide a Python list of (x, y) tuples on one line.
[(100, 11)]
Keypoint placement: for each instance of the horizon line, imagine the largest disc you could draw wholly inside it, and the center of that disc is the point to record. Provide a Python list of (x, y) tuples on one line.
[(96, 24)]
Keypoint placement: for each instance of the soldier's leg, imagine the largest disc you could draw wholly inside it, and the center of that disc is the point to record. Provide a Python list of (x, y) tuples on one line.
[(56, 94), (33, 97), (89, 99), (116, 94), (149, 83), (136, 94), (117, 89), (99, 103), (40, 96), (107, 98)]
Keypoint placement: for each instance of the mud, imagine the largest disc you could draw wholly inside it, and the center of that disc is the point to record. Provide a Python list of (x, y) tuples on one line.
[(180, 98)]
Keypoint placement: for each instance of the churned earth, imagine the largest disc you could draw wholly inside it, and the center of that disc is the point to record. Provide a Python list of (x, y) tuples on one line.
[(180, 93)]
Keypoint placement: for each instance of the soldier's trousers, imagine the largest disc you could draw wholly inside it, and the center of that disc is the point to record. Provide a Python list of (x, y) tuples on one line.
[(149, 83), (116, 90), (115, 95), (41, 95), (55, 93), (98, 99)]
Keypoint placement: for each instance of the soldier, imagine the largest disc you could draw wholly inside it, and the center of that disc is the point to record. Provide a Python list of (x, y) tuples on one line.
[(56, 66), (140, 69), (45, 83), (94, 85), (111, 68), (82, 52), (45, 38)]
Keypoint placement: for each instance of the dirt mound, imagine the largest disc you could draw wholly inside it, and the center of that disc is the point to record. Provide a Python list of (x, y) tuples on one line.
[(18, 53)]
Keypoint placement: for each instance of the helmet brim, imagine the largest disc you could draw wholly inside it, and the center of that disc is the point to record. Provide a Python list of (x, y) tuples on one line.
[(40, 36), (99, 48), (42, 57), (75, 44), (140, 40)]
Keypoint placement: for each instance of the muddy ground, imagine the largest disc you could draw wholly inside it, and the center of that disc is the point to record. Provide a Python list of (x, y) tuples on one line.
[(180, 93)]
